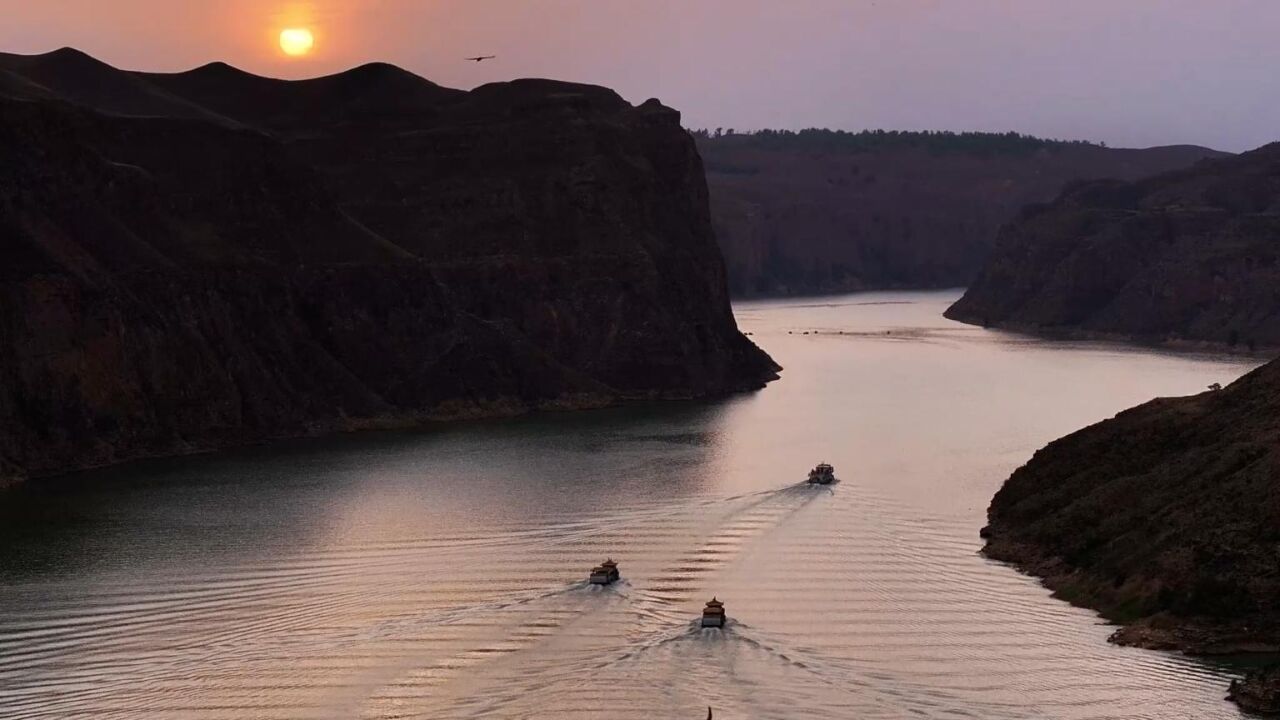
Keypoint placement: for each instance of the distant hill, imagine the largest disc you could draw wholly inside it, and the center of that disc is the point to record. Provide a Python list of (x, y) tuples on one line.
[(831, 211), (207, 258), (1187, 256)]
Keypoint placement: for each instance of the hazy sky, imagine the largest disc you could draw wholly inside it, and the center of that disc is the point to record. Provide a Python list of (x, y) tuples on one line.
[(1128, 72)]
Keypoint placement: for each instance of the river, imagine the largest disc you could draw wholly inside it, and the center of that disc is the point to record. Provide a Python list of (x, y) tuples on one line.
[(440, 573)]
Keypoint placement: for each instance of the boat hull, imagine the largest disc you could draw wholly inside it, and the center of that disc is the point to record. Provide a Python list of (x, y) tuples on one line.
[(604, 578)]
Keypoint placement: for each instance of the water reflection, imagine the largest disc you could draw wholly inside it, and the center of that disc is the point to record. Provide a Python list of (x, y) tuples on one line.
[(441, 573)]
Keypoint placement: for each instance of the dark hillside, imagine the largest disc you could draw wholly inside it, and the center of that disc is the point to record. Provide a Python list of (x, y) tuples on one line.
[(182, 276), (826, 211), (1187, 256)]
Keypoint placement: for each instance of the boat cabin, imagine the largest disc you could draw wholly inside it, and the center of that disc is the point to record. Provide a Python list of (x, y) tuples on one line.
[(823, 474), (606, 573), (713, 614)]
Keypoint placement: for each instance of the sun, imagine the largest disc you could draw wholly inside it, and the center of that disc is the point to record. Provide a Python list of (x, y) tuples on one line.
[(296, 42)]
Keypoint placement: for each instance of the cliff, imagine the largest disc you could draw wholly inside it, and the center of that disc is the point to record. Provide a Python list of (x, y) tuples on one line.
[(821, 211), (1165, 518), (212, 258), (1188, 256)]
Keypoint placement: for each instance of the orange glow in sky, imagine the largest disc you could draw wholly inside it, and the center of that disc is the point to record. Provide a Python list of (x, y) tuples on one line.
[(1131, 73)]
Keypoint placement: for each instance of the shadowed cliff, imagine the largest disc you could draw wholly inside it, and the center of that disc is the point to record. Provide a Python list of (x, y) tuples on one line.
[(823, 211), (1166, 518), (1185, 256), (210, 257)]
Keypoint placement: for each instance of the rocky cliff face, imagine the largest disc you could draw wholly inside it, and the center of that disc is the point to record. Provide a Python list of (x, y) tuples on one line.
[(1186, 256), (829, 212), (207, 258), (1166, 518)]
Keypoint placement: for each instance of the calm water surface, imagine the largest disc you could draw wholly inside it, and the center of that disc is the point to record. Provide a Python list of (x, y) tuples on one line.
[(439, 574)]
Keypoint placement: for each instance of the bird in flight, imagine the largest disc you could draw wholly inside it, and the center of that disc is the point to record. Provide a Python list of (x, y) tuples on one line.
[(481, 58)]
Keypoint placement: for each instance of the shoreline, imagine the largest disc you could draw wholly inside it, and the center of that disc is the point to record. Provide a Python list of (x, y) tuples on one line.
[(440, 417), (1257, 693), (1153, 342), (1190, 636)]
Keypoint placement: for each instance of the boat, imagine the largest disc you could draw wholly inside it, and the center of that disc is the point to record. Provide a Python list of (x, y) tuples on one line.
[(823, 474), (606, 573), (713, 614)]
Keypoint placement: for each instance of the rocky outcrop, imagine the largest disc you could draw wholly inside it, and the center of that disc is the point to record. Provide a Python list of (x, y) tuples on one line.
[(820, 211), (1165, 519), (207, 259), (1259, 693), (1189, 256)]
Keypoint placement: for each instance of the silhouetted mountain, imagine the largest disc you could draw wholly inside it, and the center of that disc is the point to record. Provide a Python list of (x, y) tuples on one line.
[(1165, 518), (1190, 255), (824, 211), (79, 78), (15, 86), (179, 280), (366, 92)]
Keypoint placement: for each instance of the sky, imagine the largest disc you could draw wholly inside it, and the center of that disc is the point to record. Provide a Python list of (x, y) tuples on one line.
[(1131, 73)]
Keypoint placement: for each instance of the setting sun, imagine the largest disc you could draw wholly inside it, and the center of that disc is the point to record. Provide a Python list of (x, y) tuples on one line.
[(296, 41)]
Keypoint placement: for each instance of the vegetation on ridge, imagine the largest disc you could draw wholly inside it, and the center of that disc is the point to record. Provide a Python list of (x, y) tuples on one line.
[(934, 141)]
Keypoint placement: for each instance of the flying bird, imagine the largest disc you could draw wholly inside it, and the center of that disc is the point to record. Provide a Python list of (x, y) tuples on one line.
[(481, 58)]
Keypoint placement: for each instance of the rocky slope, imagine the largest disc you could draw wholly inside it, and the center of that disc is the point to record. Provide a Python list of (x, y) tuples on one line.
[(1259, 693), (1185, 256), (1165, 518), (210, 258), (831, 212)]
